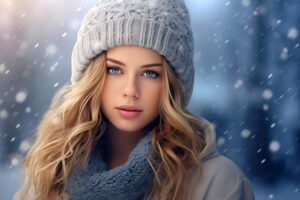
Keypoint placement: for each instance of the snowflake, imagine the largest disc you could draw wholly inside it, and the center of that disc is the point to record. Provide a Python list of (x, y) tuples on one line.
[(3, 114), (265, 107), (21, 96), (239, 83), (270, 75), (274, 146), (53, 67), (24, 45), (272, 125), (284, 53), (64, 34), (267, 94), (56, 84), (24, 146), (74, 24), (245, 3), (18, 125), (78, 9), (278, 21), (51, 50), (220, 141), (28, 110), (292, 33), (245, 133), (2, 68)]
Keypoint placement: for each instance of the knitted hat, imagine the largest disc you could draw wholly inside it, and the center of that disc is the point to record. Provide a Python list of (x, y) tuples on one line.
[(163, 25)]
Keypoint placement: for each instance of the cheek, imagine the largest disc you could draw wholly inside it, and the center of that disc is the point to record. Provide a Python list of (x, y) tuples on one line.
[(152, 95), (109, 89)]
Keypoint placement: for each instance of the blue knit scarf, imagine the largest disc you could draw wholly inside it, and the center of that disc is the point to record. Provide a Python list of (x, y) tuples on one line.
[(128, 181)]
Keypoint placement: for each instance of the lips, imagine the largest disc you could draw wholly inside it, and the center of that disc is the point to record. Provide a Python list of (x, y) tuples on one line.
[(129, 108), (129, 111)]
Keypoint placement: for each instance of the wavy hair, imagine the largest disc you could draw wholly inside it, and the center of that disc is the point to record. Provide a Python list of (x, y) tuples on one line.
[(74, 123)]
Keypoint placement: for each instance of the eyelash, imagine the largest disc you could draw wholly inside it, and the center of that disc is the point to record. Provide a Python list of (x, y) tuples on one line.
[(108, 69)]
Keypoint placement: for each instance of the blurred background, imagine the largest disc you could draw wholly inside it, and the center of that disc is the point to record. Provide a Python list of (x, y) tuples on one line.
[(247, 82)]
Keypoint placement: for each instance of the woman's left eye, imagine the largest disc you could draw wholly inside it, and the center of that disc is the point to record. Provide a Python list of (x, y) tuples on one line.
[(151, 74)]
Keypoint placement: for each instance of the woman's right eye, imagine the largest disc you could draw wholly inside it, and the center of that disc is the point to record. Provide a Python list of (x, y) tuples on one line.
[(113, 70)]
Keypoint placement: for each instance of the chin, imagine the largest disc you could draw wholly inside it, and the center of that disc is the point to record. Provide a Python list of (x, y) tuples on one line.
[(128, 127)]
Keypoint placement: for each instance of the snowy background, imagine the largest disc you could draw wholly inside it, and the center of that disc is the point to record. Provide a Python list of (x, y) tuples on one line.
[(247, 83)]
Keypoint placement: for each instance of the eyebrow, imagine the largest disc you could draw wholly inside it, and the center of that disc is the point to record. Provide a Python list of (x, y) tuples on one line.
[(148, 65)]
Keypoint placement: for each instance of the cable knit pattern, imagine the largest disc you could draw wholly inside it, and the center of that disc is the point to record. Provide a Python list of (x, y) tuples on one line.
[(128, 181), (163, 25)]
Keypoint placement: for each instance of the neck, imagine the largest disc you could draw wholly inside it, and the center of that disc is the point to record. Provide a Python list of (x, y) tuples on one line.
[(120, 144)]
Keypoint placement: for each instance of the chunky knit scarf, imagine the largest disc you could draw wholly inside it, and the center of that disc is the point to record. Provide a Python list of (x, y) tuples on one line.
[(128, 181)]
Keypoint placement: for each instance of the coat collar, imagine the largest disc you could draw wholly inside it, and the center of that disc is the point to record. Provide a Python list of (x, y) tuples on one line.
[(210, 149)]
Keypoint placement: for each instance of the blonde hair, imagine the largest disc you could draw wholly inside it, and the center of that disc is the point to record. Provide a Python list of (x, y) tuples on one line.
[(74, 123)]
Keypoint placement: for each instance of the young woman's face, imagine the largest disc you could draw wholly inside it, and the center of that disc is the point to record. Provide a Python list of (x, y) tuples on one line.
[(131, 93)]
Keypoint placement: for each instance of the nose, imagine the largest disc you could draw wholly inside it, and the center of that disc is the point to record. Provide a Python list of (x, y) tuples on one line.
[(131, 87)]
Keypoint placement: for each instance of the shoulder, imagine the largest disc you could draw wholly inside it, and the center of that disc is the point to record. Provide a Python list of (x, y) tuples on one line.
[(222, 179)]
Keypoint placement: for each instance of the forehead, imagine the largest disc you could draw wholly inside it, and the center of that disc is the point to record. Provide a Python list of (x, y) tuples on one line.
[(132, 53)]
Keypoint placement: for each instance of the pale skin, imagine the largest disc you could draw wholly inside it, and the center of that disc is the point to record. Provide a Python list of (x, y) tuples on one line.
[(134, 78)]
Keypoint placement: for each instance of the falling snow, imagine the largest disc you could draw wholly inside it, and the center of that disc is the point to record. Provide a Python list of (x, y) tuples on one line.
[(23, 15), (55, 84), (246, 79), (3, 114), (220, 141), (78, 9), (12, 139), (18, 125), (239, 83), (273, 125), (53, 67), (267, 94), (245, 133), (64, 34), (274, 146), (265, 107), (28, 110), (270, 75), (74, 24), (2, 68), (246, 3), (25, 146), (24, 45), (21, 97), (278, 21), (14, 161), (51, 50), (292, 33), (284, 53)]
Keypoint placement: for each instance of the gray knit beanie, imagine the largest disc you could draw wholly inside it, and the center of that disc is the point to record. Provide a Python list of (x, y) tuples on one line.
[(163, 25)]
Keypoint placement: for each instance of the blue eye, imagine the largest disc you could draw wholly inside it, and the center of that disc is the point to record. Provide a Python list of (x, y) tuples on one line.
[(113, 70), (151, 74)]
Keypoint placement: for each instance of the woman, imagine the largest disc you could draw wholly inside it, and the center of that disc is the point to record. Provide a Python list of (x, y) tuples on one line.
[(121, 129)]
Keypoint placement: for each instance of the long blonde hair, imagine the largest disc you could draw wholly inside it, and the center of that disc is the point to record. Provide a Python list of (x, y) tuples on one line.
[(74, 123)]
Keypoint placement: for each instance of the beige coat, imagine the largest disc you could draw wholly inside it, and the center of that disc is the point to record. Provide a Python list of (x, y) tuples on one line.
[(221, 179)]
